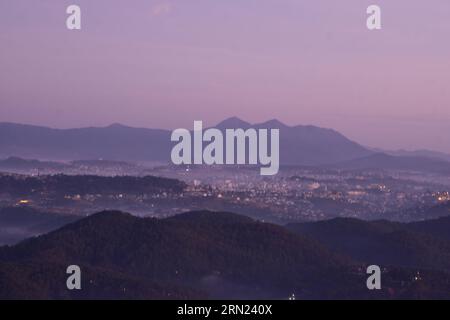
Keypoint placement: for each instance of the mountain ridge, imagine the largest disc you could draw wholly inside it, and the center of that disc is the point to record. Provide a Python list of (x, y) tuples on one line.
[(299, 145), (259, 257), (217, 255), (385, 161)]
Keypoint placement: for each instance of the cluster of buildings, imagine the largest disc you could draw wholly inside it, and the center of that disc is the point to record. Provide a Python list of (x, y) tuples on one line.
[(298, 194)]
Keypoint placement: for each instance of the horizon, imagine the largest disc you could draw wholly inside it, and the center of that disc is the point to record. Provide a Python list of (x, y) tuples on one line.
[(374, 149), (165, 63)]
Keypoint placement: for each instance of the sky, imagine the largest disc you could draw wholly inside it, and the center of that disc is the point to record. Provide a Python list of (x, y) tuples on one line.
[(164, 64)]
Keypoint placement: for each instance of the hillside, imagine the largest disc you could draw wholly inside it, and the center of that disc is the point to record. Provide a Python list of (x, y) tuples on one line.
[(415, 245), (29, 186), (197, 254)]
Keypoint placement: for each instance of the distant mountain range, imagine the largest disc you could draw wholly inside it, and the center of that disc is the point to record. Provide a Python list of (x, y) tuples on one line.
[(383, 161), (115, 142), (29, 164), (224, 255), (416, 153), (16, 163), (299, 145)]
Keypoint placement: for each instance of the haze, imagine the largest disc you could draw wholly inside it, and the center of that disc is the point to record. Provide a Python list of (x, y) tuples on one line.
[(165, 64)]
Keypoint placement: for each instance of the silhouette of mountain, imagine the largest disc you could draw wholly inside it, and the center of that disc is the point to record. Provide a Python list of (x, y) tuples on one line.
[(28, 186), (114, 142), (439, 228), (311, 145), (205, 248), (305, 145), (77, 167), (299, 145), (233, 122), (415, 245), (417, 153), (421, 213), (16, 163), (387, 162), (221, 255), (273, 123)]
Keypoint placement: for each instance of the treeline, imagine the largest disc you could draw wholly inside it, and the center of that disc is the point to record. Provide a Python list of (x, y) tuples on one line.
[(86, 184), (206, 254)]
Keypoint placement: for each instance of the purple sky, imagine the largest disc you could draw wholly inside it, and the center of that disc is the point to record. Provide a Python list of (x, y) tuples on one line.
[(166, 63)]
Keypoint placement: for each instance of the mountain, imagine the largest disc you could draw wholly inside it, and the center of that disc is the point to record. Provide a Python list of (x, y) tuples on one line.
[(299, 145), (233, 122), (421, 213), (419, 153), (198, 255), (29, 186), (384, 161), (413, 245), (310, 145), (16, 163), (77, 167), (223, 254), (438, 228), (115, 142)]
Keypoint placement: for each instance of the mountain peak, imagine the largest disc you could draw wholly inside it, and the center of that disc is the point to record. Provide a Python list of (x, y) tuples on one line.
[(116, 126), (273, 124), (232, 123)]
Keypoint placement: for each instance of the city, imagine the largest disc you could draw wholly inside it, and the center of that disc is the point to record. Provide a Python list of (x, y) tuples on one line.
[(295, 194)]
